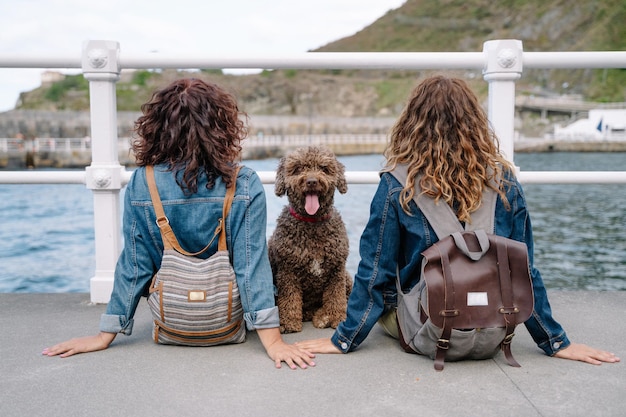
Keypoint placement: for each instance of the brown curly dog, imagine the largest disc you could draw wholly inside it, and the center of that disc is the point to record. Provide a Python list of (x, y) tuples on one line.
[(309, 247)]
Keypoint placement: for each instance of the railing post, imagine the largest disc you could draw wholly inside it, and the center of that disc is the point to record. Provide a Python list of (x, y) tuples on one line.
[(100, 64), (503, 67)]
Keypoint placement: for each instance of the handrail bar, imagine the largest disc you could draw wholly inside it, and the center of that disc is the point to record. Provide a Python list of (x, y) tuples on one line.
[(352, 177), (330, 60)]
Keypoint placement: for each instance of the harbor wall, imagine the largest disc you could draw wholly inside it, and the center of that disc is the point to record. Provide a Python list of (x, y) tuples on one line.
[(16, 160)]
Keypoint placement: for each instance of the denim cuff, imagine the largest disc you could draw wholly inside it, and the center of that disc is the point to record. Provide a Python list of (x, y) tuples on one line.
[(113, 324), (262, 319), (342, 343), (552, 346)]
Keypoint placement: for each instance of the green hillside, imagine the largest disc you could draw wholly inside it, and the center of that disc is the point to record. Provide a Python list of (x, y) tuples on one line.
[(463, 25)]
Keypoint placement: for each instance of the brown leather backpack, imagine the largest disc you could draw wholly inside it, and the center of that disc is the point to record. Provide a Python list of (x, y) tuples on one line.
[(475, 287)]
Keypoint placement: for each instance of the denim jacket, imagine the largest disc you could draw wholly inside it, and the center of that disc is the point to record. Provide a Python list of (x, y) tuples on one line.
[(394, 239), (193, 219)]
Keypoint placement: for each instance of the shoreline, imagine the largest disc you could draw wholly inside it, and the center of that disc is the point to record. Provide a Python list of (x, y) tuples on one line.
[(551, 145), (21, 160)]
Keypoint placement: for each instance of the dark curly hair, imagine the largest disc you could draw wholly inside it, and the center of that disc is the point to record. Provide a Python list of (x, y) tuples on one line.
[(194, 127), (444, 136)]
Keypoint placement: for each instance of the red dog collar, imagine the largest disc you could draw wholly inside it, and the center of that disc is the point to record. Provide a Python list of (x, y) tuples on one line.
[(307, 218)]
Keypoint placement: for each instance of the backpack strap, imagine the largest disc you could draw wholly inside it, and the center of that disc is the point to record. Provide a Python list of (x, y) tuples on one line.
[(508, 308), (441, 216), (167, 234), (448, 313)]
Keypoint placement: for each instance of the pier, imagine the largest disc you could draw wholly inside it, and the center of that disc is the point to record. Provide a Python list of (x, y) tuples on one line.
[(135, 377)]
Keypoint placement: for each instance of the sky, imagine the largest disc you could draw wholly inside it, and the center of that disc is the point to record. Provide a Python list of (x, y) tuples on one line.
[(230, 27)]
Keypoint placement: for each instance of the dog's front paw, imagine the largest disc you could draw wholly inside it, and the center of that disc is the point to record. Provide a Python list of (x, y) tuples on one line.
[(321, 323), (291, 328), (335, 323), (322, 320)]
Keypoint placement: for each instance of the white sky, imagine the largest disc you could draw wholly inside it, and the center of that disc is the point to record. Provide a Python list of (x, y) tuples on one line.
[(231, 27)]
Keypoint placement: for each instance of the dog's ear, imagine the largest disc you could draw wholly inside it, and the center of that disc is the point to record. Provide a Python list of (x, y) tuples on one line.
[(342, 184), (279, 184)]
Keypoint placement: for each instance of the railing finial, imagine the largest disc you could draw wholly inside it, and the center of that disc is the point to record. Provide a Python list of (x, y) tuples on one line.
[(503, 56), (101, 57)]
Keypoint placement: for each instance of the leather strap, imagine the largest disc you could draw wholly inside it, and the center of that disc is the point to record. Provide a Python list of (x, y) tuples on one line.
[(169, 238), (448, 314), (508, 308), (228, 201)]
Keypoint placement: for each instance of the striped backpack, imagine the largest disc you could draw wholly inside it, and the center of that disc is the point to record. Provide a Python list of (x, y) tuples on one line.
[(194, 301)]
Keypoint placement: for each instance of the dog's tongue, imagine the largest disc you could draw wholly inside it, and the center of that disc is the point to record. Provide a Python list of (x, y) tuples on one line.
[(312, 204)]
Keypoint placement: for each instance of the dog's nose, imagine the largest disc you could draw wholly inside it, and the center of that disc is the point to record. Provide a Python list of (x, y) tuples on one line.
[(311, 182)]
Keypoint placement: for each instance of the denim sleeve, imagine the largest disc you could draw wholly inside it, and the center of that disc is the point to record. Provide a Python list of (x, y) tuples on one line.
[(543, 328), (251, 261), (379, 253), (133, 272)]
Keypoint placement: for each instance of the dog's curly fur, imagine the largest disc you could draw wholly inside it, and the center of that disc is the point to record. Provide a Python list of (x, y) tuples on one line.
[(309, 247)]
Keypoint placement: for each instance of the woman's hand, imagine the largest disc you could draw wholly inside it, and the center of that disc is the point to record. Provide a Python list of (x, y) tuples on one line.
[(279, 351), (318, 346), (85, 344), (584, 353)]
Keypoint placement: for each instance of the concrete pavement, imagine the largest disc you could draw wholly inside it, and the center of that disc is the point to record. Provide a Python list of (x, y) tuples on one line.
[(136, 377)]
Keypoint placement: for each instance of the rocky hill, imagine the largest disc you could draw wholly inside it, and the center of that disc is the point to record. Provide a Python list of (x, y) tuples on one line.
[(419, 25), (463, 25)]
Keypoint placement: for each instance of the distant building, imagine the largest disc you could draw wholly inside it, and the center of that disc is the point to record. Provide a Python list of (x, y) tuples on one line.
[(602, 124), (49, 77)]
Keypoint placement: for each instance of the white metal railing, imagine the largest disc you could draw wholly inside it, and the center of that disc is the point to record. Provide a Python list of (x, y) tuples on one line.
[(353, 177), (69, 145), (501, 62)]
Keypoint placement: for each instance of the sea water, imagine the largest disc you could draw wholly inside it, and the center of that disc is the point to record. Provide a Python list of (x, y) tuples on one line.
[(47, 233)]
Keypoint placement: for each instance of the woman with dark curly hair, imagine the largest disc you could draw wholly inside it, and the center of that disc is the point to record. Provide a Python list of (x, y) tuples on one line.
[(191, 132), (443, 137)]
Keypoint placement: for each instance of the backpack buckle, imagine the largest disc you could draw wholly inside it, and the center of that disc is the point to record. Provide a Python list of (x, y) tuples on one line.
[(449, 313), (162, 222), (508, 338), (443, 344)]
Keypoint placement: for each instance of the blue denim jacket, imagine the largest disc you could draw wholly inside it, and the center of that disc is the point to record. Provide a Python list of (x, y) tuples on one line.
[(393, 238), (193, 219)]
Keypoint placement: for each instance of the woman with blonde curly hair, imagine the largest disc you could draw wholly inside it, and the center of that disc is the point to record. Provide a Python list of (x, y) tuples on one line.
[(191, 132), (444, 139)]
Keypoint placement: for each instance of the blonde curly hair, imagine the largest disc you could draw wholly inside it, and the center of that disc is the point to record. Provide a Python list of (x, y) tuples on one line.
[(444, 137)]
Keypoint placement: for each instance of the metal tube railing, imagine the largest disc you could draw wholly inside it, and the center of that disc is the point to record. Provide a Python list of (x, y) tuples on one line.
[(353, 177), (331, 60), (574, 60), (501, 62)]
